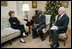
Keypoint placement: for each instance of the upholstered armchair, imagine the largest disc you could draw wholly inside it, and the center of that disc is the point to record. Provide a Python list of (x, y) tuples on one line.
[(62, 36), (47, 25)]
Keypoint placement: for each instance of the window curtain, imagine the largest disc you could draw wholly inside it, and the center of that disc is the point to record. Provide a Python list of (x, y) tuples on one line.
[(19, 8)]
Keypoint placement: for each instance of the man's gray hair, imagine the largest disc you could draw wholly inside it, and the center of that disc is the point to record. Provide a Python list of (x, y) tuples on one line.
[(62, 9)]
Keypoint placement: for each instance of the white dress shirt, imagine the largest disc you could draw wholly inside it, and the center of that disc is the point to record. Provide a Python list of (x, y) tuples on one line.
[(61, 16)]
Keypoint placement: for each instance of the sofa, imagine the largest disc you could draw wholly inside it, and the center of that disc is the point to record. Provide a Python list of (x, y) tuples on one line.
[(7, 33)]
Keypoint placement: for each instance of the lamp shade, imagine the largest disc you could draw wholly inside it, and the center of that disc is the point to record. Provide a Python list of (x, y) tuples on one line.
[(25, 7)]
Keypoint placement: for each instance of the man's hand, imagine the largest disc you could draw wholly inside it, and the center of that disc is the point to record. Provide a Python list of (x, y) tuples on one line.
[(54, 27), (35, 25), (14, 22)]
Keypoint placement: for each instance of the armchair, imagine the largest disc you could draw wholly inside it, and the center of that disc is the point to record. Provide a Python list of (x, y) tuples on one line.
[(47, 25)]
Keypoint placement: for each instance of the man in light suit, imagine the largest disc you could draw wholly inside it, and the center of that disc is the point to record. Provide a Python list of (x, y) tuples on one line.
[(60, 26), (39, 24)]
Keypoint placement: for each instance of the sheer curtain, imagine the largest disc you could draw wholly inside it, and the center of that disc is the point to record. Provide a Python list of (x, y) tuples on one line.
[(19, 8)]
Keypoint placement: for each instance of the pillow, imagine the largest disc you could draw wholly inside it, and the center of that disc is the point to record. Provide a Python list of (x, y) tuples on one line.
[(5, 23)]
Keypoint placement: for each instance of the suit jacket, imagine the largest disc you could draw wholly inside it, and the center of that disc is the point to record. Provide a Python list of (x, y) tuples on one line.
[(11, 20), (40, 20), (62, 23)]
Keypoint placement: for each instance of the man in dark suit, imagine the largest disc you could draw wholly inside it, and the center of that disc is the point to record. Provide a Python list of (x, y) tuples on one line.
[(39, 24), (15, 24), (60, 26)]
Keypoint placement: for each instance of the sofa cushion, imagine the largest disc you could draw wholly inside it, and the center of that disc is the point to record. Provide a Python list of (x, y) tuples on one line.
[(8, 31), (62, 34), (4, 23)]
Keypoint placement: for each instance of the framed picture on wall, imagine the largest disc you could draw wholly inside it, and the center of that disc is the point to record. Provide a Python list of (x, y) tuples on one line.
[(34, 4), (3, 3), (65, 3)]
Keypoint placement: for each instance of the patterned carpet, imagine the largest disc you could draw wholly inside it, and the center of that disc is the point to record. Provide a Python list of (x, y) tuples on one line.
[(35, 43)]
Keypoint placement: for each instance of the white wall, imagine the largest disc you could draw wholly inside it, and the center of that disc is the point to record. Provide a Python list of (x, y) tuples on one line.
[(68, 12), (42, 4), (32, 10), (11, 5)]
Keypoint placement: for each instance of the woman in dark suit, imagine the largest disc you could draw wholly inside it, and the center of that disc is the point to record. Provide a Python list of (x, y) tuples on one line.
[(15, 24)]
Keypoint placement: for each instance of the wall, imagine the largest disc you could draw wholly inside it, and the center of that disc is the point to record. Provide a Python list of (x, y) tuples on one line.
[(32, 10), (68, 12), (40, 5), (11, 5)]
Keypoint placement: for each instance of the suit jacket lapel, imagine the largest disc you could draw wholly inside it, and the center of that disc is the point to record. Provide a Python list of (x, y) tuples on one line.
[(39, 16), (60, 18)]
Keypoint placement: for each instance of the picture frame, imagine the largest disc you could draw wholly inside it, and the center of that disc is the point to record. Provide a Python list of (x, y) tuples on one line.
[(34, 4), (65, 3), (3, 3)]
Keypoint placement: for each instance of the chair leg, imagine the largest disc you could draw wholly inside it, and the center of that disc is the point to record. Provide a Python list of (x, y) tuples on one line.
[(64, 42), (30, 29), (49, 38), (45, 35), (10, 42)]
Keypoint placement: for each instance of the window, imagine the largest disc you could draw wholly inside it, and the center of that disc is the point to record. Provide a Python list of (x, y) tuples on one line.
[(19, 8)]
